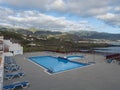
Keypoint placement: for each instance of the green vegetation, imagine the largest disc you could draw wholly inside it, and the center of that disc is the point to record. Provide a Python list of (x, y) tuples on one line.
[(15, 37), (54, 42)]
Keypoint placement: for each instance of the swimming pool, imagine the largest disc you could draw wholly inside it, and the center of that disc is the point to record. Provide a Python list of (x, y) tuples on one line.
[(55, 64)]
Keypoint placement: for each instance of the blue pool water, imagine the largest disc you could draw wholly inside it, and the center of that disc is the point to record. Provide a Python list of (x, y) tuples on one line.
[(55, 64), (74, 57)]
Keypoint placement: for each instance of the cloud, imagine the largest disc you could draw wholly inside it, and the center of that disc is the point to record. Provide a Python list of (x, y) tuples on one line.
[(82, 8), (28, 19), (59, 5), (40, 4), (117, 9), (111, 19)]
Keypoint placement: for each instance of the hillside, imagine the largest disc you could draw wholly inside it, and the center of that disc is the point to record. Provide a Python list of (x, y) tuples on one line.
[(74, 34), (46, 33), (58, 42), (97, 35)]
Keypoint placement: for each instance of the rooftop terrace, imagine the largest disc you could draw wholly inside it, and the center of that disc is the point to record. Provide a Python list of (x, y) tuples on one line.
[(100, 76)]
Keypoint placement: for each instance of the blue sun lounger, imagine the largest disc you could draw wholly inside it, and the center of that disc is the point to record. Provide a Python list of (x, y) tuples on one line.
[(109, 60), (15, 75), (9, 60), (16, 85), (12, 68)]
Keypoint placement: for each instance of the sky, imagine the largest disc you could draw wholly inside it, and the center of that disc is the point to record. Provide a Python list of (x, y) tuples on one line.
[(62, 15)]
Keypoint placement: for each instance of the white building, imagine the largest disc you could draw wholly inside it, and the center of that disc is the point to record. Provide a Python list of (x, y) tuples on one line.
[(12, 48)]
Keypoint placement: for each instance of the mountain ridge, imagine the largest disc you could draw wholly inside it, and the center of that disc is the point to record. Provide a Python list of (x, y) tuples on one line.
[(80, 34)]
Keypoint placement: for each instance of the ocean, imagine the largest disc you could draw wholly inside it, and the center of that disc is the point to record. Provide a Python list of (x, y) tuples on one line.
[(111, 49)]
